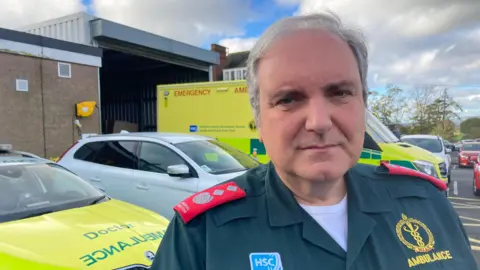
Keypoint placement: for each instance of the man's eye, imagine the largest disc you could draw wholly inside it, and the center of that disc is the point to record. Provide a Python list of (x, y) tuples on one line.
[(342, 93), (285, 101)]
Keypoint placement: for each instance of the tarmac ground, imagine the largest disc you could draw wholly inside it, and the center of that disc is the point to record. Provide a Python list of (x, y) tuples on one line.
[(467, 205)]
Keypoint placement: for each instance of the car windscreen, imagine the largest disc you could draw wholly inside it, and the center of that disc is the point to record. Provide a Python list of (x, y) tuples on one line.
[(431, 144), (217, 157), (378, 131), (471, 147), (28, 190)]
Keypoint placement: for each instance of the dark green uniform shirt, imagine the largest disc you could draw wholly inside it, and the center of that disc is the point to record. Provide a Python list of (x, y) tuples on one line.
[(395, 222)]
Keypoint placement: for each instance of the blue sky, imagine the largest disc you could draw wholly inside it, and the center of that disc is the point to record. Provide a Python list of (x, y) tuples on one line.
[(268, 16)]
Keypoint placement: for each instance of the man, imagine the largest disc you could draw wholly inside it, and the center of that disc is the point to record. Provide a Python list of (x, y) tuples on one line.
[(313, 207)]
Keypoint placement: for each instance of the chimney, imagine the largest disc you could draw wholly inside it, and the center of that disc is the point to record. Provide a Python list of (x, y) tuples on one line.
[(218, 69)]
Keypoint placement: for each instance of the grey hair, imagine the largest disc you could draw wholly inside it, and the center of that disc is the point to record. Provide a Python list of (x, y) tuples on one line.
[(327, 21)]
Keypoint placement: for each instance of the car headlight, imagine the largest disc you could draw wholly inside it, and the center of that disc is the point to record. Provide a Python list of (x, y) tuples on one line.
[(426, 167)]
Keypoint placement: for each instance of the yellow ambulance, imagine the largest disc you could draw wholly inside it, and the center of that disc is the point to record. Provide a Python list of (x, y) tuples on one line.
[(221, 110)]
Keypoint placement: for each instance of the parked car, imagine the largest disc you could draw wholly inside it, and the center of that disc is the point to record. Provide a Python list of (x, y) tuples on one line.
[(52, 219), (468, 155), (450, 145), (155, 170), (476, 178), (435, 145)]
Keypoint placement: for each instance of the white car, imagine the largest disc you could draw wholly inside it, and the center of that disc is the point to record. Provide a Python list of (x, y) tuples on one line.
[(154, 170), (435, 145)]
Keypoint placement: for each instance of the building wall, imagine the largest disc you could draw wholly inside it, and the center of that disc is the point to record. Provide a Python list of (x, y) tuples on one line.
[(41, 120), (217, 70), (72, 28)]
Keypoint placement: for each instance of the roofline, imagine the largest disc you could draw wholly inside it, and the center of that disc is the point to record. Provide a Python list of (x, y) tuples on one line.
[(101, 28), (247, 51), (27, 38)]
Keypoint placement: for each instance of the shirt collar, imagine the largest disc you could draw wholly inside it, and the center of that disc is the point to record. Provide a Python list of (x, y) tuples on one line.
[(368, 196), (283, 209)]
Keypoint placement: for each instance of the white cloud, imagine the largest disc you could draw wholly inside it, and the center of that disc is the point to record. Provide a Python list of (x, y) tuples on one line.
[(238, 44), (17, 13), (411, 42), (193, 22)]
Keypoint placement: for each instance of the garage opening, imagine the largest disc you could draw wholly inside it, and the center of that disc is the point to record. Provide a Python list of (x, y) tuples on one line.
[(128, 88)]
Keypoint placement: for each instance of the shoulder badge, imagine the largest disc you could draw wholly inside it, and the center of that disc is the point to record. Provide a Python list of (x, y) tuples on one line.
[(207, 199), (399, 170)]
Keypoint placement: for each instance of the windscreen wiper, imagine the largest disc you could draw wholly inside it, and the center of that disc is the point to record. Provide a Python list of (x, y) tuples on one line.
[(99, 199), (39, 213)]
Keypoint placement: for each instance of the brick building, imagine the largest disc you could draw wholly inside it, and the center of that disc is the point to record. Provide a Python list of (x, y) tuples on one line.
[(232, 66), (48, 67), (40, 81)]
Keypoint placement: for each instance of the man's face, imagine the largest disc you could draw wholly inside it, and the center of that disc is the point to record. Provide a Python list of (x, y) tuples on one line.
[(312, 114)]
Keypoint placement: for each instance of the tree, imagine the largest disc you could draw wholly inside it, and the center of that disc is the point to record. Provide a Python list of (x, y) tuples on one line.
[(445, 129), (443, 108), (442, 113), (390, 107), (422, 96), (435, 112), (471, 128)]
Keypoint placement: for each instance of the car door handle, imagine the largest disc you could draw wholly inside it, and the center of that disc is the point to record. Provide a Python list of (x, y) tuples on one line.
[(142, 187), (95, 179)]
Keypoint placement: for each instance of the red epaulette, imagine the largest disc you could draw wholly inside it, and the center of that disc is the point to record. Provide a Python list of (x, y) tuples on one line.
[(207, 199), (400, 170)]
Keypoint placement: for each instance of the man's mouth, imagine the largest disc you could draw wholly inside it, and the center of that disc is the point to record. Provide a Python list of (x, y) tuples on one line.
[(318, 147)]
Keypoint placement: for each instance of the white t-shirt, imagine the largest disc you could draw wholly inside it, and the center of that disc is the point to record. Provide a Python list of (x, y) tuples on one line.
[(332, 218)]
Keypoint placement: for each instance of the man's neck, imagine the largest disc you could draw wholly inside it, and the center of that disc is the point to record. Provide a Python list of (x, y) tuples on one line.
[(317, 193)]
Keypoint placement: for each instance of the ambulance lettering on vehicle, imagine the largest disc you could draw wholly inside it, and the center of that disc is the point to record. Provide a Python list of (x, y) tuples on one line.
[(94, 235), (104, 253), (196, 92), (241, 90)]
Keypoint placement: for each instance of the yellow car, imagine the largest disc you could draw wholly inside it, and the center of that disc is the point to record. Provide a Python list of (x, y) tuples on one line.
[(52, 219)]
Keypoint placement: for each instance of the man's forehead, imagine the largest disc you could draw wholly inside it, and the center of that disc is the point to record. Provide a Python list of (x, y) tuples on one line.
[(317, 37), (308, 58)]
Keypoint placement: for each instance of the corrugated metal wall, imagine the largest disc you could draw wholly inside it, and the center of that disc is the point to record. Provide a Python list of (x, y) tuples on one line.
[(133, 97), (73, 28)]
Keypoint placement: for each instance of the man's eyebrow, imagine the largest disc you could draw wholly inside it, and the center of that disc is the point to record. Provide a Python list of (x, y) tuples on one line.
[(328, 87), (339, 84), (283, 93)]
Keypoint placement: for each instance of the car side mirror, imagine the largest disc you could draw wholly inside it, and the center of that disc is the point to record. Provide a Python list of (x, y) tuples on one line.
[(178, 170), (448, 150)]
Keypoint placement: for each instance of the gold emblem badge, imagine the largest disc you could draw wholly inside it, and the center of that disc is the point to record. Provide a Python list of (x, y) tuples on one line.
[(412, 229)]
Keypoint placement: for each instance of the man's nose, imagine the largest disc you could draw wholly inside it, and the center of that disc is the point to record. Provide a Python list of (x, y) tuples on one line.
[(318, 116)]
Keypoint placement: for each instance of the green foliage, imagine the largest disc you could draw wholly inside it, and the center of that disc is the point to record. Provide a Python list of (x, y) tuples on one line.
[(471, 128), (391, 107), (427, 109)]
